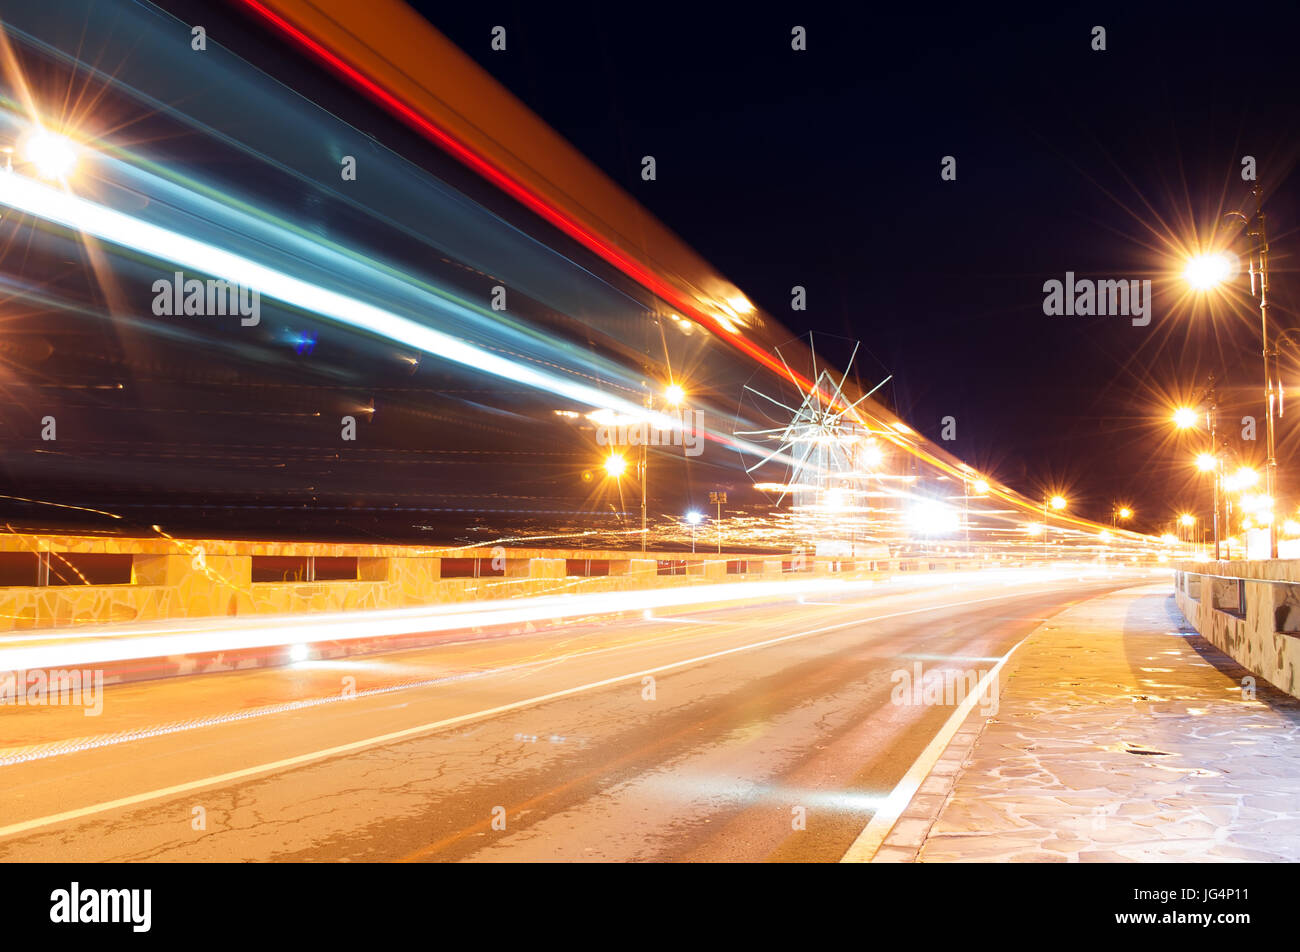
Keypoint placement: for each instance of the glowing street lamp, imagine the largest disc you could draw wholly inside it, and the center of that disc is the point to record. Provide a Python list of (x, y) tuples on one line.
[(1207, 271), (51, 156), (693, 519), (1207, 462), (615, 465), (674, 395), (1057, 502)]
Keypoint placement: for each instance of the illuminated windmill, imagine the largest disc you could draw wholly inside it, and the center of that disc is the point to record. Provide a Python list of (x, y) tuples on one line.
[(830, 457)]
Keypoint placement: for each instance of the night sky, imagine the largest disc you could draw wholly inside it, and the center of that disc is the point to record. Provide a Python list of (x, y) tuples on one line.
[(822, 168)]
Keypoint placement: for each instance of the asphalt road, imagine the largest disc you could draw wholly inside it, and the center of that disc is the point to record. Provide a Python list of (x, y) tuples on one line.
[(702, 736)]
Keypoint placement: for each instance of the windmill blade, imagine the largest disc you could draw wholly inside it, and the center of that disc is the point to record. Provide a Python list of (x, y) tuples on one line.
[(848, 367), (766, 458), (766, 397), (867, 394), (813, 350), (793, 379)]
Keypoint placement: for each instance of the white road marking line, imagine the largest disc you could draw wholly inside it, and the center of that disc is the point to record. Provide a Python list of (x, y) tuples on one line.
[(869, 840), (28, 825)]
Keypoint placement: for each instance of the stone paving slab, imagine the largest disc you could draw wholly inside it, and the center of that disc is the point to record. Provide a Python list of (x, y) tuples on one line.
[(1121, 735)]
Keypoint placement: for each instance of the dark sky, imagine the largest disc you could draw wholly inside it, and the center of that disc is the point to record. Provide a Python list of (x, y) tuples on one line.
[(818, 168), (822, 168)]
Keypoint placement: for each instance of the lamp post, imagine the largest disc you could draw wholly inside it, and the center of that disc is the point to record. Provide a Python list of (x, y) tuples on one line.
[(673, 397), (1259, 288), (1205, 272), (717, 499), (1056, 502), (693, 519), (1211, 462)]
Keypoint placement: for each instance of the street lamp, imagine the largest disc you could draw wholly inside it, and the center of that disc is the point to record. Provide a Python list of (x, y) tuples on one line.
[(615, 465), (1211, 461), (693, 519), (1117, 513), (51, 156), (674, 395), (1056, 502), (717, 499), (1207, 271)]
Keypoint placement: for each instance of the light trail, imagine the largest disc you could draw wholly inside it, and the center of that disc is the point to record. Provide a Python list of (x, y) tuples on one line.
[(76, 213), (118, 645)]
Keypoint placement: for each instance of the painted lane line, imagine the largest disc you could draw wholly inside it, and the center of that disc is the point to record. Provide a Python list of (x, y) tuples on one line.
[(869, 840)]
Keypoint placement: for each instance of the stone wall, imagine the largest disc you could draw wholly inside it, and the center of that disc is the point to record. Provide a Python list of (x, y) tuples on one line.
[(186, 578), (1248, 610)]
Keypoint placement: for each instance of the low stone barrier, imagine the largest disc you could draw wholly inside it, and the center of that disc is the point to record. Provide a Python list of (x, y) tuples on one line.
[(60, 581), (1248, 610)]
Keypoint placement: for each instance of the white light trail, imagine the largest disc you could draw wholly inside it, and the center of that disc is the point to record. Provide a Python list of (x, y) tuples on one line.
[(51, 204), (104, 646)]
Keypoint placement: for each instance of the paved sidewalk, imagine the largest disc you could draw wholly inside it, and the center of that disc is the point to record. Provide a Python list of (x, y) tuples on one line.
[(1121, 735)]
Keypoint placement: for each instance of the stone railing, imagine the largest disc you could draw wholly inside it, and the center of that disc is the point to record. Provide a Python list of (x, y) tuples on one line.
[(1248, 610), (55, 581)]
